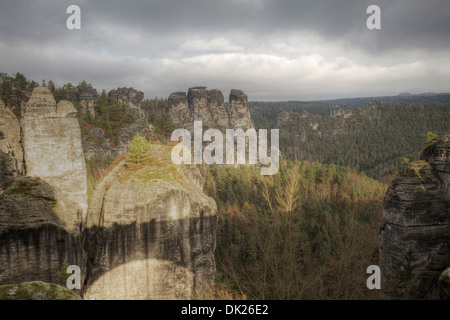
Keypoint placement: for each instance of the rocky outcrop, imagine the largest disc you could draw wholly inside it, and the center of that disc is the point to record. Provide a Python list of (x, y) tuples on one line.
[(38, 232), (37, 290), (219, 115), (415, 232), (130, 97), (150, 233), (87, 97), (342, 111), (180, 111), (238, 110), (51, 141), (11, 154), (41, 213), (126, 135), (208, 106), (18, 100), (133, 100), (95, 145)]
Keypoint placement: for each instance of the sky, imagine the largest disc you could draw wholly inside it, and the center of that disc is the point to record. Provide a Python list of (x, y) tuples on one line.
[(270, 49)]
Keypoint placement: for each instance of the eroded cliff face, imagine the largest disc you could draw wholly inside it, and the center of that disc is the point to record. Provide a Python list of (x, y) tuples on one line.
[(87, 97), (37, 232), (11, 154), (150, 233), (95, 147), (42, 206), (208, 106), (415, 232), (51, 140), (238, 111), (130, 97)]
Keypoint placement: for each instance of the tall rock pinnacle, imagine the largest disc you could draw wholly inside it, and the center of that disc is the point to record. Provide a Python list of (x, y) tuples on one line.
[(415, 232), (51, 140)]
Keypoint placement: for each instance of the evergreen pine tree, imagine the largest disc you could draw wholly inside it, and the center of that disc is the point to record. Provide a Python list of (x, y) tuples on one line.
[(138, 151)]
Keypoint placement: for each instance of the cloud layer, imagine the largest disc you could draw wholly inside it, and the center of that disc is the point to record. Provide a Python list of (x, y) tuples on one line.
[(273, 50)]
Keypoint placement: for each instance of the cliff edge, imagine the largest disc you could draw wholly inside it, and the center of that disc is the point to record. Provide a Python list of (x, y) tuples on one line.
[(415, 231), (150, 233)]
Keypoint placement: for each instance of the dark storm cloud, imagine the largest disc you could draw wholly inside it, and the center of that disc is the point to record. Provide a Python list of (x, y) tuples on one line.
[(269, 48), (408, 23), (405, 23)]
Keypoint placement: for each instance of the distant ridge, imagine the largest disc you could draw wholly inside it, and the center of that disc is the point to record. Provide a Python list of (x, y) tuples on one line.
[(402, 97)]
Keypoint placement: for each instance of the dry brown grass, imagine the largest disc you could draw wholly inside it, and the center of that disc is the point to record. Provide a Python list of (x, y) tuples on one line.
[(101, 173)]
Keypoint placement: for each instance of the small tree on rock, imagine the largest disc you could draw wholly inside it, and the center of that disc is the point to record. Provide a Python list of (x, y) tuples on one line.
[(138, 151)]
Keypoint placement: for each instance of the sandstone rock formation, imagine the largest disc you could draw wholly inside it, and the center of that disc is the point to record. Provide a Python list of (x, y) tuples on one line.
[(51, 141), (11, 154), (415, 232), (95, 145), (150, 233), (126, 135), (38, 232), (208, 106), (238, 110), (87, 97), (128, 96), (133, 100)]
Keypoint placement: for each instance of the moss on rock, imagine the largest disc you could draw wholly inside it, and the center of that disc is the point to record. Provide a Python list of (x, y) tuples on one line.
[(37, 290)]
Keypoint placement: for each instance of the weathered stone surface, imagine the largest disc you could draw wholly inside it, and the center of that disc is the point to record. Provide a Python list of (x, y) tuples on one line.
[(87, 97), (38, 232), (150, 234), (180, 112), (37, 290), (440, 161), (11, 154), (97, 133), (133, 100), (95, 145), (129, 96), (216, 107), (238, 111), (416, 225), (96, 149), (208, 106), (126, 135), (51, 141)]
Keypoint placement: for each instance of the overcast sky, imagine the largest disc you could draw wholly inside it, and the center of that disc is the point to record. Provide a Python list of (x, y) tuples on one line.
[(273, 50)]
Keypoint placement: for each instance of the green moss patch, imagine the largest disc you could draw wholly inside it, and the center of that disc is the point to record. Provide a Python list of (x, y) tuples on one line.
[(35, 290)]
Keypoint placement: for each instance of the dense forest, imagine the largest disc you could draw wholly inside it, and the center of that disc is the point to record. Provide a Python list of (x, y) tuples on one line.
[(308, 232), (374, 139)]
